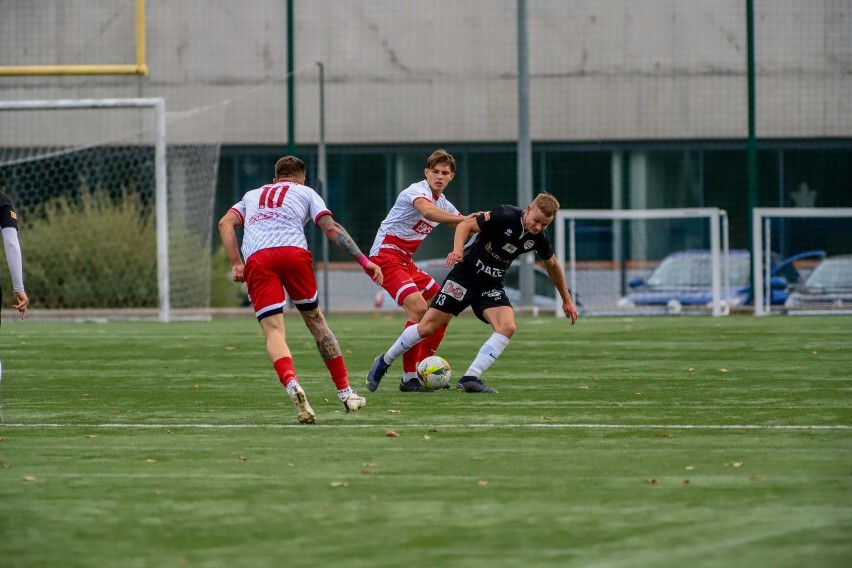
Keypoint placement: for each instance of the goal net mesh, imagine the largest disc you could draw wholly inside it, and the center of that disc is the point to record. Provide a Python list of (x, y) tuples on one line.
[(83, 181)]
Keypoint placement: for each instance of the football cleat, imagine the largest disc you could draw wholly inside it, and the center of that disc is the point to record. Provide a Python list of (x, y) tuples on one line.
[(412, 385), (473, 384), (377, 371), (353, 402), (304, 412)]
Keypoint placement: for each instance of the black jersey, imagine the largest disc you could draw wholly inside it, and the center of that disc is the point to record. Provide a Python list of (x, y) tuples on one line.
[(8, 218), (501, 240)]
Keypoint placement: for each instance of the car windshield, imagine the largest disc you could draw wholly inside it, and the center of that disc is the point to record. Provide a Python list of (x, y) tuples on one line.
[(831, 274), (695, 271)]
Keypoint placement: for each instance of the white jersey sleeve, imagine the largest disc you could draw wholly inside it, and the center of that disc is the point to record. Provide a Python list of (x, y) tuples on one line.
[(404, 228), (275, 216)]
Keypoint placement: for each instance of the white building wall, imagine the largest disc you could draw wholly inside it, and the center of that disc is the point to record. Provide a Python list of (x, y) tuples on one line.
[(409, 71)]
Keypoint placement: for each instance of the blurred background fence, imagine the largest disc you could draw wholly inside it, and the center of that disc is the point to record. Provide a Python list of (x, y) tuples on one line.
[(634, 104)]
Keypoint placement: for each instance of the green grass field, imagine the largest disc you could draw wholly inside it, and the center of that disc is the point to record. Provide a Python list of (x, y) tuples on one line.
[(658, 442)]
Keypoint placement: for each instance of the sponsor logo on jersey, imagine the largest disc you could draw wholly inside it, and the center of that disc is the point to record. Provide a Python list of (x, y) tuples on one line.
[(489, 270), (508, 232), (265, 215), (422, 227), (528, 245), (493, 294), (510, 248), (453, 289)]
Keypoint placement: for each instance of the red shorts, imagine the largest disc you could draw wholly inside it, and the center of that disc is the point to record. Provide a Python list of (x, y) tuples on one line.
[(402, 277), (269, 272)]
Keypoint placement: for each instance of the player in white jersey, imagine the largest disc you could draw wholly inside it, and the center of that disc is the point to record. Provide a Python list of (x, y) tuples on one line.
[(418, 209), (277, 258)]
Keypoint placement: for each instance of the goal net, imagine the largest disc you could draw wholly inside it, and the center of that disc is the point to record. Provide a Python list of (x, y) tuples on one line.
[(803, 260), (115, 203), (653, 261)]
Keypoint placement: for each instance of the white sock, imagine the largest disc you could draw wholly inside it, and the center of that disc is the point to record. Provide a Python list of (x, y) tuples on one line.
[(293, 384), (406, 341), (488, 353), (343, 393)]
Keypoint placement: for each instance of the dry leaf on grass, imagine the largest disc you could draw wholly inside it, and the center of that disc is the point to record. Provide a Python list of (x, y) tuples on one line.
[(394, 411), (243, 458), (4, 465), (367, 471), (483, 482), (339, 484), (149, 460), (651, 481), (662, 435), (30, 478), (391, 434), (230, 348), (584, 388), (90, 436)]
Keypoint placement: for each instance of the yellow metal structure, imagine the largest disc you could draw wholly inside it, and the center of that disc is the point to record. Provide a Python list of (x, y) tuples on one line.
[(140, 68)]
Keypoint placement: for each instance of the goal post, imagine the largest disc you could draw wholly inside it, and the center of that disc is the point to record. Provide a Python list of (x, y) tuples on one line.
[(810, 232), (115, 215), (608, 252)]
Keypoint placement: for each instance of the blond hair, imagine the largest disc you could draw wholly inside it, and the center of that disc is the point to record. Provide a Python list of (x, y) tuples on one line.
[(546, 203)]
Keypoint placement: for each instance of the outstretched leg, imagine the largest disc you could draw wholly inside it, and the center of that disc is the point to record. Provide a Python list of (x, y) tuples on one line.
[(502, 320), (329, 351), (282, 360)]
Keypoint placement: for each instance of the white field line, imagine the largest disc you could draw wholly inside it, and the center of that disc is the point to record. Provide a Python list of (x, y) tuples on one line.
[(143, 426)]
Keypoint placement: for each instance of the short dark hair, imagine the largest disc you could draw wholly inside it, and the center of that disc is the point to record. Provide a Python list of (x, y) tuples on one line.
[(441, 156), (289, 166)]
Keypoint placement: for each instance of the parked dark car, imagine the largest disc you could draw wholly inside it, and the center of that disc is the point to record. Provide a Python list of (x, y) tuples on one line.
[(828, 286), (684, 280)]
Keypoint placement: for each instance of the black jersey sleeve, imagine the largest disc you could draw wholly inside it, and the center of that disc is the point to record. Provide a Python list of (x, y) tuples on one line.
[(8, 217)]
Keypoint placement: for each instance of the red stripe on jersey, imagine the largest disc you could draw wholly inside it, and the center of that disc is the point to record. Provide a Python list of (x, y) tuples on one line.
[(408, 246), (240, 215)]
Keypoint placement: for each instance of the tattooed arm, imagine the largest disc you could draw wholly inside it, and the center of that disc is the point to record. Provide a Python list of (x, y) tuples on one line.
[(335, 233)]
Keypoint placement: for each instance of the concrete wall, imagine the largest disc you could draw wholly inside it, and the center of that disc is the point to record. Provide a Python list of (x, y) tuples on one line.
[(404, 71)]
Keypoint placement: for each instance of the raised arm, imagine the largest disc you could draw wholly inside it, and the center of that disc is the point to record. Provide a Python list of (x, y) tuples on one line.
[(335, 233), (463, 232), (438, 215)]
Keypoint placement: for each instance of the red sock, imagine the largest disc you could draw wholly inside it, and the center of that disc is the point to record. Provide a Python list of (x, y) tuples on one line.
[(429, 346), (411, 357), (284, 368), (338, 372)]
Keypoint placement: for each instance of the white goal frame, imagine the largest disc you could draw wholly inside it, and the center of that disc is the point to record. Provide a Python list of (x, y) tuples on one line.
[(719, 242), (761, 244), (161, 192)]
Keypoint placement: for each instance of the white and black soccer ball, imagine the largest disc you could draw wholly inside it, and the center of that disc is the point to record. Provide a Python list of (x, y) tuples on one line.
[(434, 373)]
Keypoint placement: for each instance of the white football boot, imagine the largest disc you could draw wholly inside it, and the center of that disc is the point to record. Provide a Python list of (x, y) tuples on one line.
[(353, 402), (304, 412)]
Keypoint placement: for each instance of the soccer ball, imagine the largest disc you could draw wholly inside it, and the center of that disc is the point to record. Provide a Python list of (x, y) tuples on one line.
[(434, 373)]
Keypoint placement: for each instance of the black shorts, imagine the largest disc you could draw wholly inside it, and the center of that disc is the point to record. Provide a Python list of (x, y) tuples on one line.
[(462, 289)]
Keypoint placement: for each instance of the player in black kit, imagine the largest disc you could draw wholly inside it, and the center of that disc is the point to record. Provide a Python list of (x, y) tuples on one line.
[(476, 280)]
